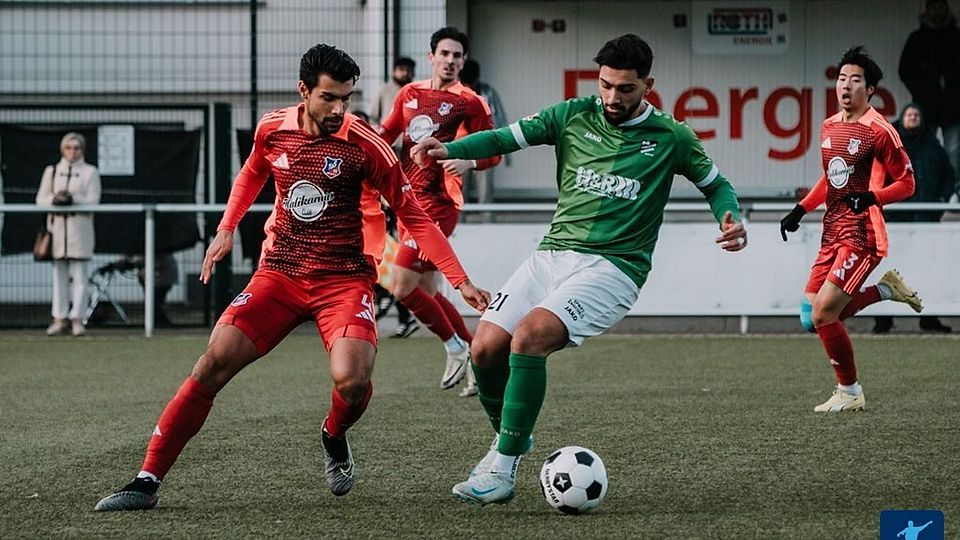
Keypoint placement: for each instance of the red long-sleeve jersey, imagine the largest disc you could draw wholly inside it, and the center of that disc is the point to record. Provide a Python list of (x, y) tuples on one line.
[(420, 112), (859, 156), (326, 218)]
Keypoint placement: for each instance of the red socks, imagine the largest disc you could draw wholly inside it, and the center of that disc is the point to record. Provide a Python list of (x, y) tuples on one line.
[(430, 313), (836, 342), (344, 414), (863, 298), (181, 420), (456, 320)]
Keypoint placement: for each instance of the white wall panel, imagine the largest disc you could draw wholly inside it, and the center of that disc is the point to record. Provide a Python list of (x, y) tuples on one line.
[(692, 276)]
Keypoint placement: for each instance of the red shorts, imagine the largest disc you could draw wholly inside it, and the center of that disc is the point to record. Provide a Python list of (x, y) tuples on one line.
[(845, 267), (273, 304), (409, 256)]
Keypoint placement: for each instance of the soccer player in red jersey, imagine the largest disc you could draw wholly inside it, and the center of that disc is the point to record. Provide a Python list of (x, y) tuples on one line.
[(318, 263), (440, 107), (859, 150)]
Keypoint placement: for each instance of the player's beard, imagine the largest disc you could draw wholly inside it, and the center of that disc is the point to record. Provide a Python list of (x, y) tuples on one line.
[(621, 116), (328, 125)]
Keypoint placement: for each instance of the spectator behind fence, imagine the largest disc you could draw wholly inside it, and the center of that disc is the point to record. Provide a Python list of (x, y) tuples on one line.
[(403, 72), (70, 181), (482, 181), (935, 182), (930, 68)]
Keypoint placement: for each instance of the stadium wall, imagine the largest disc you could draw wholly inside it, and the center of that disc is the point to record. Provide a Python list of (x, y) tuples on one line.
[(755, 93), (691, 276)]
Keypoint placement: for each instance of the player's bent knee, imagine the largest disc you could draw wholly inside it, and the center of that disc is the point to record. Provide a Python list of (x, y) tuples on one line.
[(806, 317), (352, 389)]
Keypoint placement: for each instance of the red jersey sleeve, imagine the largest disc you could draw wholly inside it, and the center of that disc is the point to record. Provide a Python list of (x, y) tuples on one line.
[(383, 173), (392, 125), (896, 163), (816, 196), (479, 118), (251, 178)]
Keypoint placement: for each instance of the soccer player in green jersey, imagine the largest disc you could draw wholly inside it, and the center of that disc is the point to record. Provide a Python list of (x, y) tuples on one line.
[(616, 159)]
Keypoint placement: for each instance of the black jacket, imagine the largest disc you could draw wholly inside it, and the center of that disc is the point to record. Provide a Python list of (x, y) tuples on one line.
[(930, 68), (935, 178)]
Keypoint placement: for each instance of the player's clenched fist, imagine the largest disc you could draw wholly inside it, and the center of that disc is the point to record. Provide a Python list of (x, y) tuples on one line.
[(791, 221), (423, 152)]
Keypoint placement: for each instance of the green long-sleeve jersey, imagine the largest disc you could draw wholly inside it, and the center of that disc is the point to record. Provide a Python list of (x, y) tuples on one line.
[(614, 180)]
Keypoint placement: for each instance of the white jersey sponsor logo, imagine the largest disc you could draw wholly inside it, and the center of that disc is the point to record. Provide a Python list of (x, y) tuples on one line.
[(592, 136), (306, 201), (412, 104), (241, 299), (826, 144), (421, 127), (607, 185), (838, 172)]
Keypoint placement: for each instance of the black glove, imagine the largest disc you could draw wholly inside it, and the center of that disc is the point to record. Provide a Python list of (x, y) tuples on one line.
[(62, 198), (859, 201), (791, 221)]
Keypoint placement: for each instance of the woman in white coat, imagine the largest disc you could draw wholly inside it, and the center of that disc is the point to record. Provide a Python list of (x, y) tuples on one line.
[(71, 181)]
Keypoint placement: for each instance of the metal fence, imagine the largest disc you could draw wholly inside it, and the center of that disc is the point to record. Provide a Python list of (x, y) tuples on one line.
[(25, 285)]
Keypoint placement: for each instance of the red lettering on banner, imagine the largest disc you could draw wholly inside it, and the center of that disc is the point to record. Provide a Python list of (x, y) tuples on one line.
[(682, 111), (699, 102), (738, 99), (804, 99)]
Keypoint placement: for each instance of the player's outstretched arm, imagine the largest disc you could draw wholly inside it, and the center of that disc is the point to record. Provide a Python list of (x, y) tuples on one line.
[(733, 235), (221, 245)]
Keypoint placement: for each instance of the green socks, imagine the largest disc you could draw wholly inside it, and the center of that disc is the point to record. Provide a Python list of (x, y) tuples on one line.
[(491, 382), (522, 399)]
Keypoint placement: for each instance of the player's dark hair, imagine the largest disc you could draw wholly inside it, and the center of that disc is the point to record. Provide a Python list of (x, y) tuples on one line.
[(406, 62), (449, 32), (323, 59), (470, 73), (857, 56), (626, 52)]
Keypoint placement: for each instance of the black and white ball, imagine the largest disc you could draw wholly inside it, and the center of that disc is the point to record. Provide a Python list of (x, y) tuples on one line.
[(573, 480)]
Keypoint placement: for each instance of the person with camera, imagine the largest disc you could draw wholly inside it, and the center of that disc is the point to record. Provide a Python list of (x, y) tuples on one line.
[(70, 181)]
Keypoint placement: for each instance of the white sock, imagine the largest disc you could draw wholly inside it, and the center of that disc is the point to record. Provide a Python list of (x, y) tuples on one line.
[(145, 474), (506, 466), (455, 345), (885, 292), (852, 389)]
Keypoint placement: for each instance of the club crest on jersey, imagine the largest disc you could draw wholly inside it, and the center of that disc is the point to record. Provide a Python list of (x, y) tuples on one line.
[(647, 147), (306, 201), (853, 146), (241, 299), (444, 108), (838, 172), (331, 166), (421, 127)]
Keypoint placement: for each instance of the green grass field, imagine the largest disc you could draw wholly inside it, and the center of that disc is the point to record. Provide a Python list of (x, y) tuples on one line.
[(703, 437)]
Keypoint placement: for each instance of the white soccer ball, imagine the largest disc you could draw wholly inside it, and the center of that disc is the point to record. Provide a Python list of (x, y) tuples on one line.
[(573, 480)]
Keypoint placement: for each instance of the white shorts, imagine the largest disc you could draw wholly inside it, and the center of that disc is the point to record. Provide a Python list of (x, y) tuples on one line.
[(587, 292)]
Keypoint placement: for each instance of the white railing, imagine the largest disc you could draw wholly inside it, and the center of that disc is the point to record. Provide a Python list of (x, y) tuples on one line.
[(150, 211)]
